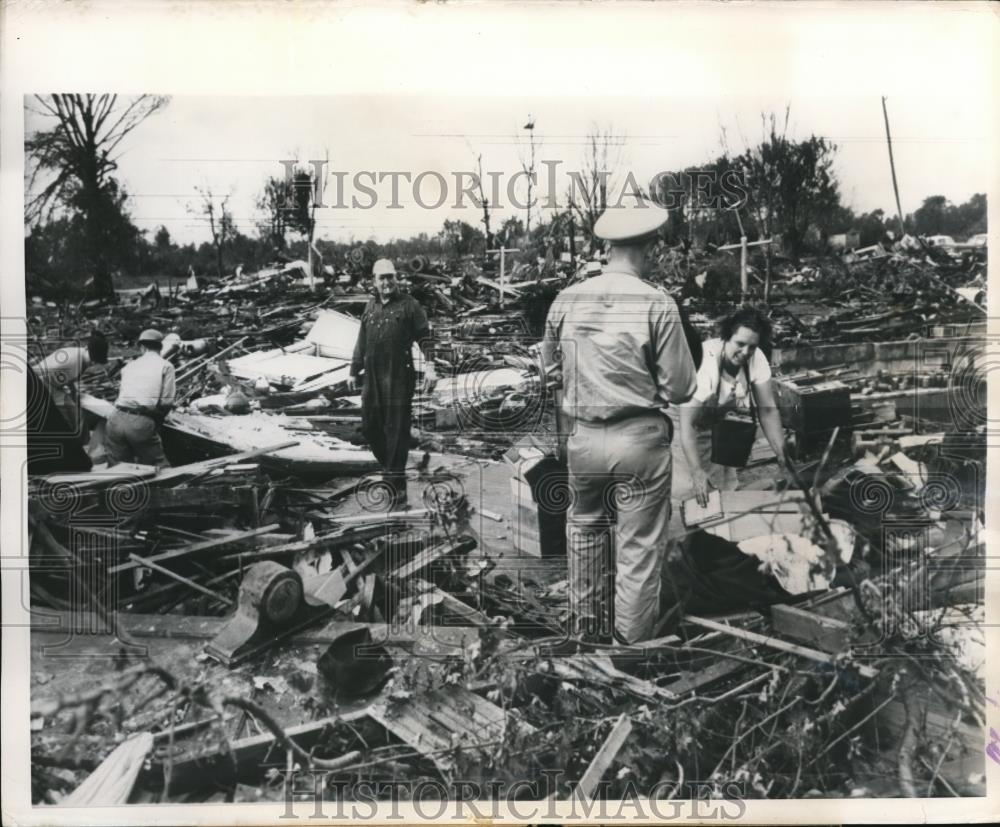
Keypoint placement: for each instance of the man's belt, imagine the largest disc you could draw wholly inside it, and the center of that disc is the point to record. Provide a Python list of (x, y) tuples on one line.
[(139, 410)]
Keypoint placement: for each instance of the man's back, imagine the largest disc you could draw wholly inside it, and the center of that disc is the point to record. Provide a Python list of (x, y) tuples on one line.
[(622, 346), (147, 381)]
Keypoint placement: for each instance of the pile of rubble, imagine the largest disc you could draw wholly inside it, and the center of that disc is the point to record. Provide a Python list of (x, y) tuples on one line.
[(262, 611)]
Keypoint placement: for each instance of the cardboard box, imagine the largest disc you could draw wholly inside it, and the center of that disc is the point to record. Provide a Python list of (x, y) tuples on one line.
[(539, 529)]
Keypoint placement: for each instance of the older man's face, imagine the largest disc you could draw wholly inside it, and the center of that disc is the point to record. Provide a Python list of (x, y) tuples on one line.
[(386, 285)]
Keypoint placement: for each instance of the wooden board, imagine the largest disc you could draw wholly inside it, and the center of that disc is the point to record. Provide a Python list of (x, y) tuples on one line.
[(826, 633), (443, 719), (215, 544), (441, 641)]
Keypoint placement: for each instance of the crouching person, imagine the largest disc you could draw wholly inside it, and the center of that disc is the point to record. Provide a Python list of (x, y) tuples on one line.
[(144, 400)]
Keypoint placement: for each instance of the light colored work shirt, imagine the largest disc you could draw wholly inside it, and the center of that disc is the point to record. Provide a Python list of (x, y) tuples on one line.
[(715, 386), (621, 348), (63, 366), (147, 382)]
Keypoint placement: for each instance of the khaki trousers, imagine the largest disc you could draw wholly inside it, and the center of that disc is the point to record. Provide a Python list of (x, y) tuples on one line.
[(620, 477)]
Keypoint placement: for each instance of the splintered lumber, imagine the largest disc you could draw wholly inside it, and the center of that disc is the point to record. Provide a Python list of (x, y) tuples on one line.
[(122, 472), (514, 292), (431, 555), (450, 604), (599, 669), (328, 541), (416, 514), (237, 537), (604, 758), (161, 499), (193, 367), (111, 783), (208, 762), (739, 515), (203, 467), (774, 643), (441, 720), (827, 633), (694, 680), (149, 564), (440, 641)]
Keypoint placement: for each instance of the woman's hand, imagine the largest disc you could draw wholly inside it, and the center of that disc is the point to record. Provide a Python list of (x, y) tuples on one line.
[(701, 486), (430, 378)]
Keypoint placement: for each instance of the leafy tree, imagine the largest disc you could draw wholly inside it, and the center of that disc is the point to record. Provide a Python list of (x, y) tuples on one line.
[(273, 203), (791, 186), (70, 165), (461, 238), (510, 231), (970, 217), (871, 227), (929, 219)]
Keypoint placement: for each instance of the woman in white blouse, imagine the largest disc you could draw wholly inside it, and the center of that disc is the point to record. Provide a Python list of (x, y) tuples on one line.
[(732, 367)]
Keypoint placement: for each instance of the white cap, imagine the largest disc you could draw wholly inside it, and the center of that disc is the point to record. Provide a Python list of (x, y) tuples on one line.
[(382, 267), (634, 219)]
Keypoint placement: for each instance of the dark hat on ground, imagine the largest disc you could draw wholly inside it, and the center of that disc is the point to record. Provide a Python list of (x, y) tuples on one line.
[(353, 664), (633, 220)]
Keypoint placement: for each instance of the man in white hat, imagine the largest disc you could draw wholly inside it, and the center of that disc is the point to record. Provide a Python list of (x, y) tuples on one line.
[(624, 360), (390, 325), (144, 399), (62, 369)]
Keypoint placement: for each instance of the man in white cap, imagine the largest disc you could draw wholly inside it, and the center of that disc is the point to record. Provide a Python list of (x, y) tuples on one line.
[(624, 360), (144, 400), (390, 324), (62, 369)]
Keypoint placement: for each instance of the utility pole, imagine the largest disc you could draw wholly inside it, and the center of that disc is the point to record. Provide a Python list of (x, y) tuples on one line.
[(530, 170), (892, 166), (572, 241), (486, 203)]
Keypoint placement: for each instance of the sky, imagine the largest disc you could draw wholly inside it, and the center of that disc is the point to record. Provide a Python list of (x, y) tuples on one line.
[(425, 88), (232, 144)]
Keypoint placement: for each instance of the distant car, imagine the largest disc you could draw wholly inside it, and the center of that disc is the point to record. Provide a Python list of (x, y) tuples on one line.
[(978, 240), (939, 241)]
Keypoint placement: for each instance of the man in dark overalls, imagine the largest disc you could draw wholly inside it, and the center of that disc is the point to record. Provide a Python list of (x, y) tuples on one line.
[(390, 325)]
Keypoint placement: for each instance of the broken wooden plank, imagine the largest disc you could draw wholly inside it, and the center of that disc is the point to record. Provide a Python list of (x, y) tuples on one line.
[(599, 669), (149, 564), (775, 643), (122, 472), (440, 640), (826, 633), (694, 680), (213, 495), (238, 537), (513, 291), (206, 763), (203, 467), (451, 605), (442, 720), (111, 783), (416, 514), (604, 758), (431, 555), (327, 541)]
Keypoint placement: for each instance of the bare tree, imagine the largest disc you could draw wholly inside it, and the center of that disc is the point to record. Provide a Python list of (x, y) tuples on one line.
[(588, 189), (70, 164), (220, 221)]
